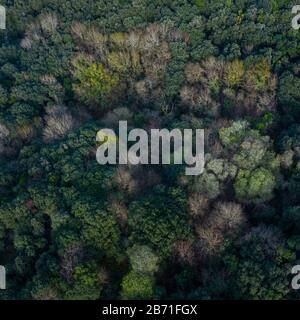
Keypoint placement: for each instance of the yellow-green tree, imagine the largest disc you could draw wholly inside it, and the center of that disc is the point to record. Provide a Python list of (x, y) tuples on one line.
[(94, 82)]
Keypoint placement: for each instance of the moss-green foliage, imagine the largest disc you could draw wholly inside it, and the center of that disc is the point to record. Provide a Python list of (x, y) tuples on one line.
[(95, 83), (87, 285), (256, 186), (159, 220), (137, 286)]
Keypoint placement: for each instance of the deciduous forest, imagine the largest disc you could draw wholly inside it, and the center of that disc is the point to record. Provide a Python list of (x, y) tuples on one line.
[(73, 229)]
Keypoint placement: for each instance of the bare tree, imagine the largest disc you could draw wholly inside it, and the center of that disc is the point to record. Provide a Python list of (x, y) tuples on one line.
[(47, 293), (4, 138), (26, 43), (185, 251), (58, 123), (124, 180), (70, 259), (120, 209), (4, 132), (193, 72), (228, 217), (79, 30), (48, 23), (134, 39), (209, 242)]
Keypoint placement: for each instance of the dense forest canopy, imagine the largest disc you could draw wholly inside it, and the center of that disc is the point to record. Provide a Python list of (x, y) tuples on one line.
[(72, 229)]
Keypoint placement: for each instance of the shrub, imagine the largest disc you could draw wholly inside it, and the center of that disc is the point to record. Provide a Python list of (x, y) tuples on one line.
[(137, 286)]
